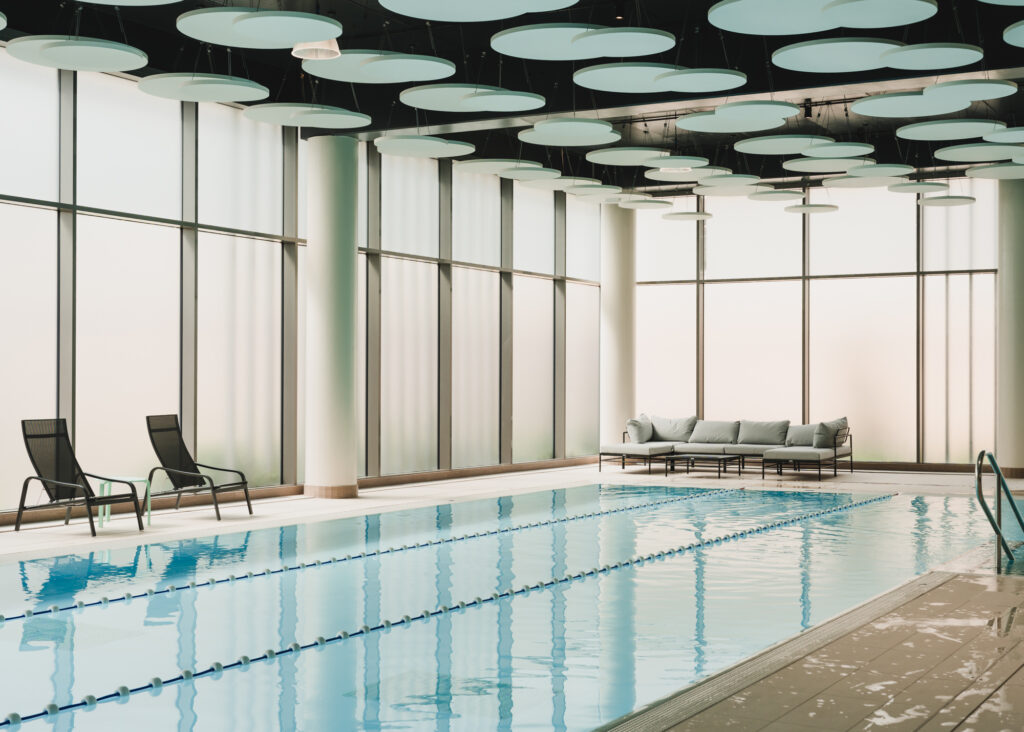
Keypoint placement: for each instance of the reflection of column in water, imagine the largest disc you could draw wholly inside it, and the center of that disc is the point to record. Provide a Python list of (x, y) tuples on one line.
[(288, 621), (616, 619), (371, 612), (443, 649), (805, 578), (558, 569), (700, 640), (59, 631), (920, 507), (186, 693), (504, 648)]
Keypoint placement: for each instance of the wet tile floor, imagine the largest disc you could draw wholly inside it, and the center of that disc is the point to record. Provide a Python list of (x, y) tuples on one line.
[(950, 659)]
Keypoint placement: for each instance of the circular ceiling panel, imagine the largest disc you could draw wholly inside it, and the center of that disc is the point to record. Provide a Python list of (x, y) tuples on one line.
[(919, 186), (560, 184), (677, 161), (529, 173), (348, 66), (622, 42), (876, 170), (687, 216), (771, 17), (779, 144), (285, 28), (625, 155), (646, 204), (950, 129), (700, 81), (287, 114), (879, 13), (3, 18), (972, 90), (908, 104), (78, 54), (678, 175), (978, 152), (824, 165), (588, 190), (570, 132), (332, 118), (834, 55), (422, 146), (217, 26), (730, 179), (739, 117), (544, 42), (394, 68), (627, 77), (947, 201), (1007, 134), (777, 195), (733, 190), (853, 181), (471, 11), (839, 150), (188, 87), (441, 97), (502, 100), (1003, 171), (926, 56), (491, 166), (1014, 34), (129, 3), (812, 208)]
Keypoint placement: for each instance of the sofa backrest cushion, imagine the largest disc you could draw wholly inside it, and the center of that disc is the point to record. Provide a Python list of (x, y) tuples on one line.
[(763, 433), (667, 429), (639, 429), (800, 435), (825, 433), (707, 431)]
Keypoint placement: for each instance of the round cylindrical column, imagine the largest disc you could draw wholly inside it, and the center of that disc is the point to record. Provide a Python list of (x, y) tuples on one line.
[(1010, 326), (332, 427), (618, 321)]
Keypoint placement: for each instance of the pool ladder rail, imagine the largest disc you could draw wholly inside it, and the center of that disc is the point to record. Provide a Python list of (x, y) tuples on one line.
[(1002, 546)]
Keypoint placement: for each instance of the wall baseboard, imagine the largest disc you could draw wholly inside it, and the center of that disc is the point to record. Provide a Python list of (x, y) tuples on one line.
[(435, 475)]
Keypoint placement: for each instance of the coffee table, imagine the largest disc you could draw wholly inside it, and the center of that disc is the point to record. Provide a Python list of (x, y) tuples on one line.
[(720, 461)]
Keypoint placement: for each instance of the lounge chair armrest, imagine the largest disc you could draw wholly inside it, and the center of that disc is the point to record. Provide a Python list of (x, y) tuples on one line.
[(172, 471), (111, 480), (239, 473), (50, 481), (625, 437)]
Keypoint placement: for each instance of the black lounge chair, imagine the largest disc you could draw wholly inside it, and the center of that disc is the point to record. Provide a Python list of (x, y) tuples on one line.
[(66, 484), (181, 469)]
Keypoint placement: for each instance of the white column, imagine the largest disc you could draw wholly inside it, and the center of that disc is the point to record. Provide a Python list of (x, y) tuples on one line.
[(332, 428), (618, 321), (1010, 326)]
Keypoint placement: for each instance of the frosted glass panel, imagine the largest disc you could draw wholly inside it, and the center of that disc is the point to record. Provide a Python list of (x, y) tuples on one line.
[(959, 367), (666, 250), (533, 229), (582, 368), (29, 127), (863, 354), (666, 362), (239, 359), (28, 299), (300, 361), (582, 239), (409, 205), (131, 160), (240, 171), (752, 371), (361, 360), (963, 237), (476, 218), (751, 239), (476, 364), (873, 231), (302, 171), (533, 370), (127, 332), (408, 402)]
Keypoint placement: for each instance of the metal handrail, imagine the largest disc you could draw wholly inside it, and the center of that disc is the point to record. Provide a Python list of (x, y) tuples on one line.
[(1001, 489)]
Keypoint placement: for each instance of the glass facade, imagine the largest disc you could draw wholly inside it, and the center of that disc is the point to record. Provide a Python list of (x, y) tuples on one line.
[(533, 372)]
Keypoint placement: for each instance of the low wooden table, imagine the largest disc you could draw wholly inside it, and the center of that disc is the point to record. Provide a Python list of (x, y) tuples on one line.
[(720, 461)]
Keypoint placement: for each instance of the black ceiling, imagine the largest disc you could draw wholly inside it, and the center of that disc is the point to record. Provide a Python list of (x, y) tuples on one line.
[(368, 25)]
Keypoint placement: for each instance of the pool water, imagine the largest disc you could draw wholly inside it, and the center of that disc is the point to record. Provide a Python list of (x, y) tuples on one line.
[(555, 610)]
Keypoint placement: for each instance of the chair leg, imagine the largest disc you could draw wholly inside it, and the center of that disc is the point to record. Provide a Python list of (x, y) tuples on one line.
[(177, 503), (67, 515), (138, 510), (216, 506), (88, 511), (819, 471), (248, 503), (21, 507)]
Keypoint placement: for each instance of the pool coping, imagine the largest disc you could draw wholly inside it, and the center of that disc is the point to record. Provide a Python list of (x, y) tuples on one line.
[(670, 710)]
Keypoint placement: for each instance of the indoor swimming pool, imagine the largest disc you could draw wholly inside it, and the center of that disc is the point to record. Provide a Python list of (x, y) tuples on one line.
[(561, 609)]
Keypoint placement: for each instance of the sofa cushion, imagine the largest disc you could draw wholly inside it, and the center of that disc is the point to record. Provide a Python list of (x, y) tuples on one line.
[(825, 433), (812, 454), (639, 429), (800, 435), (754, 450), (638, 449), (672, 430), (700, 448), (763, 433), (715, 432)]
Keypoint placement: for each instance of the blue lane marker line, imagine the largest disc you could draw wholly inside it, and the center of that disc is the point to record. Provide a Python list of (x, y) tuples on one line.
[(128, 596), (156, 685)]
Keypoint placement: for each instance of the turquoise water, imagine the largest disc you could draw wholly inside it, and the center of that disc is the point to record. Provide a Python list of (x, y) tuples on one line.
[(632, 598)]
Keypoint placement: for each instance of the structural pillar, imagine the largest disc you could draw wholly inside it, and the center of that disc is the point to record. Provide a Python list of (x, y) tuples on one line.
[(618, 321), (1010, 326), (332, 427)]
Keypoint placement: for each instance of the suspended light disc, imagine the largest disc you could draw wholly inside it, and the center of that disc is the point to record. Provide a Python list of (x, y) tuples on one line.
[(78, 54), (927, 56), (777, 195), (677, 161), (529, 173), (947, 201), (779, 144), (839, 150), (570, 132), (544, 42), (471, 11), (1003, 171), (625, 155), (879, 13), (492, 166), (687, 216), (285, 28), (978, 152), (188, 87), (919, 186), (950, 129), (812, 208), (422, 146), (622, 42), (834, 55)]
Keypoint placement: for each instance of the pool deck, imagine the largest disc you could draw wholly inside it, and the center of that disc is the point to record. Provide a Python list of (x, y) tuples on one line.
[(943, 652)]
